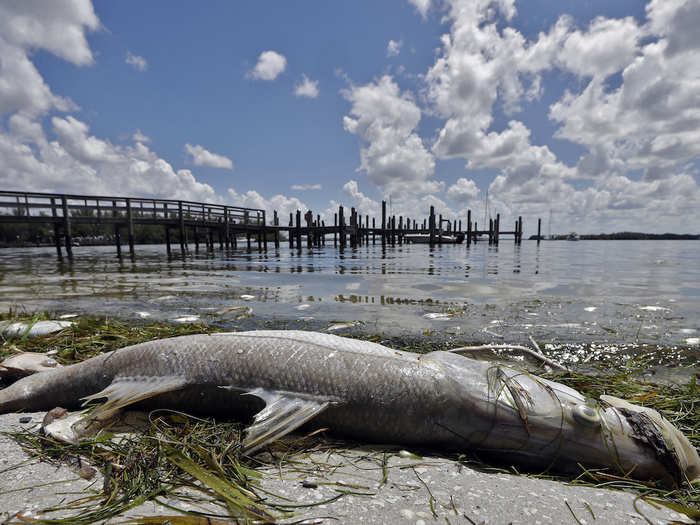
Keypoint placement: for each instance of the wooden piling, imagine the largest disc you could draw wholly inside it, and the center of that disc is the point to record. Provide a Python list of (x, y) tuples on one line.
[(183, 238), (520, 229), (130, 227), (67, 228), (469, 227), (539, 231), (497, 227), (298, 230), (168, 249), (341, 226), (56, 229), (431, 225), (276, 223), (289, 231)]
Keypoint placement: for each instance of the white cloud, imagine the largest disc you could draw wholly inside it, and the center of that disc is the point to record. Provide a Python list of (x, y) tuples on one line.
[(306, 88), (58, 27), (269, 66), (421, 6), (463, 190), (140, 137), (201, 157), (394, 157), (305, 187), (137, 62), (76, 160), (393, 48), (282, 204)]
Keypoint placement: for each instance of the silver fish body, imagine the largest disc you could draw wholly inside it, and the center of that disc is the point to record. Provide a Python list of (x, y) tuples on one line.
[(373, 393)]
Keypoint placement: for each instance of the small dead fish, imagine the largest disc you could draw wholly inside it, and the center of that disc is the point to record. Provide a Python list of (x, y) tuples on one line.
[(26, 363), (369, 392), (20, 329)]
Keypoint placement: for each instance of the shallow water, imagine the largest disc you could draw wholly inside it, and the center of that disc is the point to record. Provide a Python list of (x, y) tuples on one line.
[(575, 293)]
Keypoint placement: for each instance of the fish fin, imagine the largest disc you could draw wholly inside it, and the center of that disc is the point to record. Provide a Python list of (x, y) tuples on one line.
[(125, 391), (283, 413)]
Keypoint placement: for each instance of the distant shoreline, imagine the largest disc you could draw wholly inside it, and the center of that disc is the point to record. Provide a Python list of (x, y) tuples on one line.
[(627, 236)]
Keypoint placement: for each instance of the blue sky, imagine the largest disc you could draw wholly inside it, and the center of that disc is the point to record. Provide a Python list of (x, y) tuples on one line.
[(583, 108)]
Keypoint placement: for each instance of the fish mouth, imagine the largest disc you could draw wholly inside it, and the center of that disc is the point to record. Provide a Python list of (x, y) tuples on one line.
[(672, 449)]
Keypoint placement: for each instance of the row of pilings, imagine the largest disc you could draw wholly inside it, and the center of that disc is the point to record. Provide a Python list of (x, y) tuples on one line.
[(195, 222)]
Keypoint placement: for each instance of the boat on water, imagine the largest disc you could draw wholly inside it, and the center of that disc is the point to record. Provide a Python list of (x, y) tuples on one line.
[(573, 236), (424, 238)]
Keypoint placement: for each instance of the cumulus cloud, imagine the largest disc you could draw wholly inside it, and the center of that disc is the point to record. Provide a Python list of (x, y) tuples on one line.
[(140, 137), (393, 48), (306, 187), (58, 27), (252, 199), (269, 66), (392, 155), (306, 88), (201, 157), (137, 62), (632, 107), (421, 6), (463, 190)]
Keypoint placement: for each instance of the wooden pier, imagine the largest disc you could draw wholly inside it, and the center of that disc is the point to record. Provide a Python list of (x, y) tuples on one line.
[(212, 224)]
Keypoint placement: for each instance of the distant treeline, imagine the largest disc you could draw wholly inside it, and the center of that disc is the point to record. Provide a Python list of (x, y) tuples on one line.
[(629, 236)]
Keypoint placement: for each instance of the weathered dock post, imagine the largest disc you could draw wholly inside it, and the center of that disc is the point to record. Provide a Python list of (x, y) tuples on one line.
[(353, 228), (298, 230), (515, 233), (367, 229), (392, 227), (335, 230), (400, 230), (308, 218), (130, 227), (498, 227), (539, 230), (469, 227), (227, 228), (374, 231), (341, 226), (289, 231), (439, 232), (490, 231), (168, 249), (56, 228), (183, 238), (195, 235), (319, 235), (476, 231), (276, 223), (246, 223), (431, 225), (66, 228), (383, 222), (520, 229), (263, 232)]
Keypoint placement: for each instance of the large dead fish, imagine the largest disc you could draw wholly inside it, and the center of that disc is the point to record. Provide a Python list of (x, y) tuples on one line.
[(372, 393)]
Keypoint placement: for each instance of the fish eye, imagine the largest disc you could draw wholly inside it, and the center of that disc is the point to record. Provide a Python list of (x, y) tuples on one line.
[(586, 415)]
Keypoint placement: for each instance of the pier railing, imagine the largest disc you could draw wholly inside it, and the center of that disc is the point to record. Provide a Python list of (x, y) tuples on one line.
[(26, 206)]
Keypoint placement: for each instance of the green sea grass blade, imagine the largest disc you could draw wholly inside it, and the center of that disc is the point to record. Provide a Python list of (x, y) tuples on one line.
[(238, 498)]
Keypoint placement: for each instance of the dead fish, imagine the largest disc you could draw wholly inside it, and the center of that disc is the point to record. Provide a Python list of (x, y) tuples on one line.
[(20, 329), (367, 391), (26, 363)]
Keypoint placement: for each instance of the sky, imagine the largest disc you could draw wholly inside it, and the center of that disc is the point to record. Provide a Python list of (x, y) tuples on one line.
[(585, 113)]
